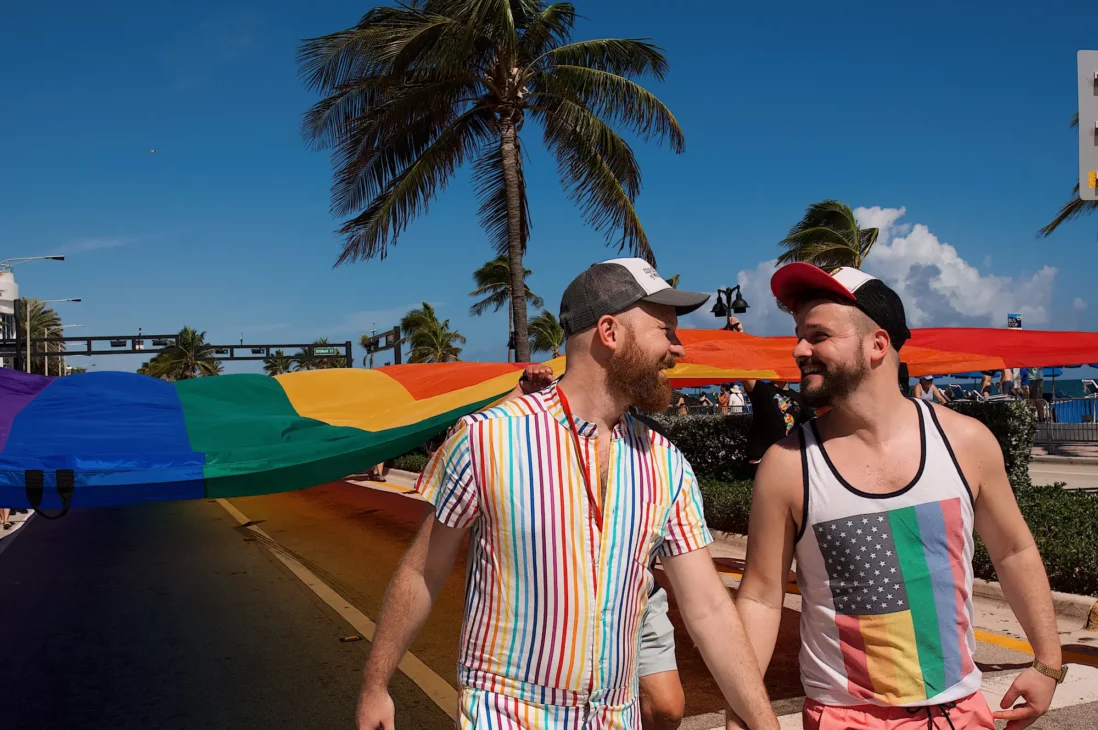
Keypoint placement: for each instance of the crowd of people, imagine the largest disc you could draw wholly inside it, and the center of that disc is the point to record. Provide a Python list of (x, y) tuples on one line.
[(568, 494)]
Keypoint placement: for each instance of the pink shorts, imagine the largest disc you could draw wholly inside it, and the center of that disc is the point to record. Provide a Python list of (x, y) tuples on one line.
[(970, 713)]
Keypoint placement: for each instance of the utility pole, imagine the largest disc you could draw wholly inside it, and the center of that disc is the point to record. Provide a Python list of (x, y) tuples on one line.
[(1088, 125)]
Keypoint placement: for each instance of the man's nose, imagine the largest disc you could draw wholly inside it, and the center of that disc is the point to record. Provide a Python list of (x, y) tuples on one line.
[(676, 349), (802, 349)]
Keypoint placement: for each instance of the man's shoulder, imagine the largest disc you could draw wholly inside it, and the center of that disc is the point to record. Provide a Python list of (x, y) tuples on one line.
[(962, 431), (516, 408)]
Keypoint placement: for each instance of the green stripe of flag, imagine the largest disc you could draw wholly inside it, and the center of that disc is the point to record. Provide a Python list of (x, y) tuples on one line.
[(920, 596)]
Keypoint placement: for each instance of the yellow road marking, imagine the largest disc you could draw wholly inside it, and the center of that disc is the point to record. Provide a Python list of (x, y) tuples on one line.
[(438, 689), (1009, 642)]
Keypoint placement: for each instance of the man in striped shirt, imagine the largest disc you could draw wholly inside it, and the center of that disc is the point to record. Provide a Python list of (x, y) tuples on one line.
[(567, 497)]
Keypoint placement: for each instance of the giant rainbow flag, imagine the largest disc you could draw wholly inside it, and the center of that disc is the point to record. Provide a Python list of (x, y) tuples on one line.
[(110, 438)]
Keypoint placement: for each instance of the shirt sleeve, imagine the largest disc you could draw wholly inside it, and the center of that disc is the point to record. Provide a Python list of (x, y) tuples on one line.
[(686, 530), (449, 481)]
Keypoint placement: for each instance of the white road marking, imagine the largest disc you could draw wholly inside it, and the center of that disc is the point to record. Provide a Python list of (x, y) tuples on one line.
[(441, 692)]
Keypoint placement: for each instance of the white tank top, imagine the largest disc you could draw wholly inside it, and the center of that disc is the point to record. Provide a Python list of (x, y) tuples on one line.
[(886, 581)]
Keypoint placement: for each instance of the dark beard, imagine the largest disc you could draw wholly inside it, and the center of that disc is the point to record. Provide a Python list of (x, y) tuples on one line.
[(838, 382), (638, 379)]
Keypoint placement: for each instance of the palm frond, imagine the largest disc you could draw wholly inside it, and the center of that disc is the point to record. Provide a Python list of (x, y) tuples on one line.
[(821, 253), (1074, 208), (565, 118), (618, 100), (621, 56), (551, 27), (491, 189), (408, 195), (603, 197)]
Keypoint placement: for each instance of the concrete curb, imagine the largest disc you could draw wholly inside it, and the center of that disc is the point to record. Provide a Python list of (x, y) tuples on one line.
[(1083, 609), (1046, 459)]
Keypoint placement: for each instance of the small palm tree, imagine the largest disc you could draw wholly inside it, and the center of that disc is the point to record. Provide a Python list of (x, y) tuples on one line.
[(416, 91), (493, 281), (1074, 208), (546, 334), (279, 363), (44, 322), (304, 361), (429, 339), (673, 281), (189, 357), (828, 236)]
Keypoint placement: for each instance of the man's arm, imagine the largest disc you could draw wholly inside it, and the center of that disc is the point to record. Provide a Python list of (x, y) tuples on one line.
[(408, 601), (714, 625), (737, 326), (1018, 565), (770, 541)]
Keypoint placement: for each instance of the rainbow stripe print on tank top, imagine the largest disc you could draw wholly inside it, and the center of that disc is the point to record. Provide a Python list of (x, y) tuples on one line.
[(897, 581)]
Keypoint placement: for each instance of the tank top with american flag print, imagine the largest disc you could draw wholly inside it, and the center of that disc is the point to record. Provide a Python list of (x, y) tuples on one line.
[(886, 581)]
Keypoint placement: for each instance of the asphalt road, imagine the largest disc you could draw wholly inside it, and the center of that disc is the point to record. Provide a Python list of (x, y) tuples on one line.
[(170, 616)]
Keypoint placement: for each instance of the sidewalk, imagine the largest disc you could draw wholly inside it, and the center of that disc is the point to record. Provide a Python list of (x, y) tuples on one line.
[(7, 535)]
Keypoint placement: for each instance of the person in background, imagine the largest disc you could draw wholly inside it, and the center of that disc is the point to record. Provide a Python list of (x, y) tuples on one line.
[(5, 518), (722, 400), (926, 390), (735, 399), (776, 410), (680, 404), (1006, 382), (985, 383), (1037, 383)]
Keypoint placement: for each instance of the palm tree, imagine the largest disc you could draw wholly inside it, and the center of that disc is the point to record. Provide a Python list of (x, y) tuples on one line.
[(429, 339), (279, 363), (546, 334), (190, 356), (44, 322), (414, 92), (493, 281), (673, 281), (828, 236), (303, 361), (1074, 208)]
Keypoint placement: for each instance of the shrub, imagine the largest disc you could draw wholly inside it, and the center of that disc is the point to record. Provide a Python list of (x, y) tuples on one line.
[(714, 445), (727, 504), (1065, 527), (1014, 424), (412, 461)]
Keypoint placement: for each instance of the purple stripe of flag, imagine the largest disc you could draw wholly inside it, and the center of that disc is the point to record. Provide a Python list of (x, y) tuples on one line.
[(16, 391)]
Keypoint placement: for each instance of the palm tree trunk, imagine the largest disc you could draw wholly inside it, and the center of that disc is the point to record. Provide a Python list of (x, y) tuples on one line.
[(508, 142), (510, 328)]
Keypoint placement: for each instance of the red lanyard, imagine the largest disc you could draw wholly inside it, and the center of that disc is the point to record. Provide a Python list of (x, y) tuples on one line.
[(579, 455)]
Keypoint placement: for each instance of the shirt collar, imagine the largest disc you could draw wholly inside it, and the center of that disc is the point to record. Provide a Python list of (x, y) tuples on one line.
[(550, 399)]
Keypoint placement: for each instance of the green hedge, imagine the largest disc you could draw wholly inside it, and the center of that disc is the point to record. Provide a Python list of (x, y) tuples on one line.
[(412, 461), (1014, 424)]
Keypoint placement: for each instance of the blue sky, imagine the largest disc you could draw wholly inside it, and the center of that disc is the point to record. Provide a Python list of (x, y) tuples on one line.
[(948, 125)]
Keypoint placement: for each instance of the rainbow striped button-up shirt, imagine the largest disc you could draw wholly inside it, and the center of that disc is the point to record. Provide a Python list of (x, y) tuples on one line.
[(553, 604)]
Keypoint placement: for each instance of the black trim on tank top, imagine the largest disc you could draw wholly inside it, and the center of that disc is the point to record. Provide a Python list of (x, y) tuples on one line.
[(952, 455), (804, 475), (867, 495)]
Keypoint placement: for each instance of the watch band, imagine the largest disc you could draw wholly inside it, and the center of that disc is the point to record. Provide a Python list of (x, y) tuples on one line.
[(1058, 674)]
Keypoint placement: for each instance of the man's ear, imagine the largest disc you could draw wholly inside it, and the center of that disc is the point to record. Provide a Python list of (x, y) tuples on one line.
[(608, 332), (882, 344)]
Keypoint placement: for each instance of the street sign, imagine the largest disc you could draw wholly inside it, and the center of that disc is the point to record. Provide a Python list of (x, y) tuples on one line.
[(325, 350), (1088, 125)]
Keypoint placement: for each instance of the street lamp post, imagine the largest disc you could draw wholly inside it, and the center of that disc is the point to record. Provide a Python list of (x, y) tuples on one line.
[(46, 301), (7, 265), (723, 308), (60, 359)]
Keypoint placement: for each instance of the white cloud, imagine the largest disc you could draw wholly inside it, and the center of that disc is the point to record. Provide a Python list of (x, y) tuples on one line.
[(85, 245), (939, 288), (1078, 304)]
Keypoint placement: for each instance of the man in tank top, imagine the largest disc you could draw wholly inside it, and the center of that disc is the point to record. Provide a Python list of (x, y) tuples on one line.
[(877, 500)]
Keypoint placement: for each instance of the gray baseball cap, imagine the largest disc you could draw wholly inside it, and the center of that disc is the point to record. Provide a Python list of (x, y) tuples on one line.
[(614, 286)]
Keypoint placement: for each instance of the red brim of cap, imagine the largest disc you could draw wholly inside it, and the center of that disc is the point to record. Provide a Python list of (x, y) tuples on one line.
[(791, 281)]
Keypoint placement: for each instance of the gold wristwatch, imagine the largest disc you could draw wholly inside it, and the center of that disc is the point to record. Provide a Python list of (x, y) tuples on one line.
[(1058, 674)]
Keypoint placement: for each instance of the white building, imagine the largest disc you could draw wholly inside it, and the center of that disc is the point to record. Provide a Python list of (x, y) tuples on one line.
[(9, 295)]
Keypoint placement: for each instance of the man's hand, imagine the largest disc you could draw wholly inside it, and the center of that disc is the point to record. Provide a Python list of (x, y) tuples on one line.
[(535, 377), (376, 711), (1036, 689), (734, 324)]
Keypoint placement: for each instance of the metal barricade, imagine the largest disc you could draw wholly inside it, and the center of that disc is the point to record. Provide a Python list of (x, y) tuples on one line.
[(1070, 421)]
